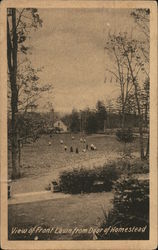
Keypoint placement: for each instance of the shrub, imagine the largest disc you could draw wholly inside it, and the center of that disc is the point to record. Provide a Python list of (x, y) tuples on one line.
[(133, 166), (76, 181), (83, 179), (130, 209), (140, 167), (109, 174), (125, 135)]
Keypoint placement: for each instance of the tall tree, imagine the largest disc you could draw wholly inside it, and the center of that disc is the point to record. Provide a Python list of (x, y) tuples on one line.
[(130, 66), (75, 121), (120, 71), (91, 123), (142, 19), (101, 115), (19, 24)]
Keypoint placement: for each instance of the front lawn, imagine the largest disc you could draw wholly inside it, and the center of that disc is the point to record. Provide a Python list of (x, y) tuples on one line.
[(77, 211)]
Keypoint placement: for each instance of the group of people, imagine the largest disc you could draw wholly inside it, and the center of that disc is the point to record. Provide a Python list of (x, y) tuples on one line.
[(82, 140)]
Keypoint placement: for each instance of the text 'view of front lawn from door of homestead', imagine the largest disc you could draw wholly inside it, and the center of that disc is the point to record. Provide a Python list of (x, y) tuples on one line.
[(78, 124)]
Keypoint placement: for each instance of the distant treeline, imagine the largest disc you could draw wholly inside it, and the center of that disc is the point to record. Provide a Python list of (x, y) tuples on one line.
[(97, 120), (33, 124)]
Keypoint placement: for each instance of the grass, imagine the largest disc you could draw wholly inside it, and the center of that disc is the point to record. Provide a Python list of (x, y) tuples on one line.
[(81, 211), (41, 163), (40, 158)]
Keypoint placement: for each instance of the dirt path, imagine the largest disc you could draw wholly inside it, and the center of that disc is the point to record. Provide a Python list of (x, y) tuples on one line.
[(39, 183)]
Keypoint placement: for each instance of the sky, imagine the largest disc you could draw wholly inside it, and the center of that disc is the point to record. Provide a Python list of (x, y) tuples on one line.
[(70, 48)]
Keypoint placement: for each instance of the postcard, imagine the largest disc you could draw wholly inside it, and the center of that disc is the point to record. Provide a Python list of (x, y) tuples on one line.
[(78, 124)]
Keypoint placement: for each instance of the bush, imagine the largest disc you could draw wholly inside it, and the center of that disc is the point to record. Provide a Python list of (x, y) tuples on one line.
[(109, 174), (133, 166), (82, 180), (130, 209), (125, 135)]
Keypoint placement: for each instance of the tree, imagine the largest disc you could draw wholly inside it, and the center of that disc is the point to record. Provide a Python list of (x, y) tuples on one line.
[(29, 88), (120, 71), (67, 120), (19, 24), (130, 107), (101, 115), (142, 19), (75, 121), (110, 109), (130, 66), (31, 125), (91, 123)]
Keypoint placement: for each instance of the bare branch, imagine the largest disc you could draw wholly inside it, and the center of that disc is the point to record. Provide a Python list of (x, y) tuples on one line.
[(112, 73), (19, 19)]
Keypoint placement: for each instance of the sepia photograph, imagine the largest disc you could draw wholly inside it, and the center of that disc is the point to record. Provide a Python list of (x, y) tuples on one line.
[(78, 123)]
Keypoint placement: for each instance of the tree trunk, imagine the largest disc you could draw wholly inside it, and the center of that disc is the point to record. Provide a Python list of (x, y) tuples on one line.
[(146, 115), (140, 123), (12, 66), (139, 112), (15, 154), (147, 149), (14, 141), (141, 141), (123, 118), (108, 120)]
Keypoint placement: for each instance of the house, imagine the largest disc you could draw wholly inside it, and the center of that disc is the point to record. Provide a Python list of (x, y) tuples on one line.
[(60, 126)]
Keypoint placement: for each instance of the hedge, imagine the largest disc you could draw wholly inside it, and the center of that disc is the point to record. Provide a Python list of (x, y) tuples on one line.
[(84, 180)]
